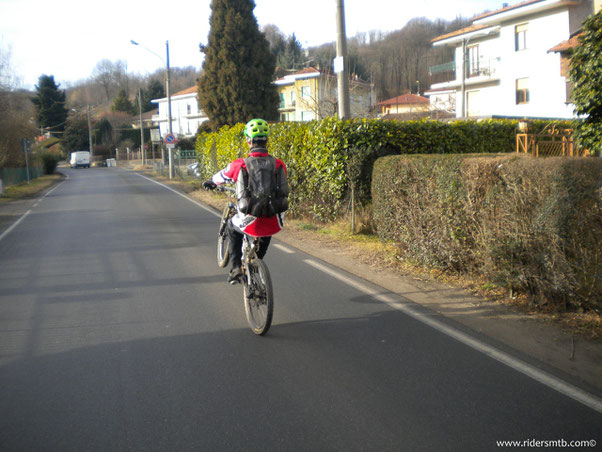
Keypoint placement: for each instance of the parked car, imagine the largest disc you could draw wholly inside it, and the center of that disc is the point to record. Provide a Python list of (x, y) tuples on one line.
[(194, 170)]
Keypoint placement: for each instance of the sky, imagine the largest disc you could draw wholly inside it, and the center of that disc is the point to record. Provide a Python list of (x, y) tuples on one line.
[(67, 38)]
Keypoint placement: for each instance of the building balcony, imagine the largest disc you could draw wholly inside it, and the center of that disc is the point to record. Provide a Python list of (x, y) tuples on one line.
[(447, 75), (291, 106)]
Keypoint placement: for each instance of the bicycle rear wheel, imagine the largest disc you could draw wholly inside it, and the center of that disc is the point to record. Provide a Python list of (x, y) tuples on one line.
[(258, 297)]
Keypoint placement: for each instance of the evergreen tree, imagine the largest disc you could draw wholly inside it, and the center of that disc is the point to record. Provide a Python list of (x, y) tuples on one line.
[(586, 74), (236, 83), (103, 133), (154, 90), (49, 103), (292, 58), (123, 103), (76, 136)]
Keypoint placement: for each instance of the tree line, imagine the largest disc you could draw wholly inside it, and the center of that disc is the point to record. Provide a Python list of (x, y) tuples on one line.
[(396, 62), (234, 86), (235, 83)]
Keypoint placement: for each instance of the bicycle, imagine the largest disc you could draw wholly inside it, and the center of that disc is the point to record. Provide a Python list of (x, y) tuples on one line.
[(258, 293)]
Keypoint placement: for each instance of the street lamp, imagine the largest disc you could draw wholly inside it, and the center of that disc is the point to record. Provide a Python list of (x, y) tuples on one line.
[(166, 62)]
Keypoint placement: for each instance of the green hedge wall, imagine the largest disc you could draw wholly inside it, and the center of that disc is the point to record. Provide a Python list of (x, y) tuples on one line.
[(326, 158), (532, 225)]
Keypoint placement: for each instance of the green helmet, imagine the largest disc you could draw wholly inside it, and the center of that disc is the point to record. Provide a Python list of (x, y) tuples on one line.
[(257, 128)]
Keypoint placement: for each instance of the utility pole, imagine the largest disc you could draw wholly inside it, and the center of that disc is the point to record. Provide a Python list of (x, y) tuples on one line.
[(170, 151), (90, 134), (142, 152), (463, 84), (341, 64)]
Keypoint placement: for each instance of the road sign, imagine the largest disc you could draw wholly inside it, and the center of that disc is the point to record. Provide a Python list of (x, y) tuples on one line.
[(170, 139), (26, 145), (170, 145), (155, 136), (339, 65)]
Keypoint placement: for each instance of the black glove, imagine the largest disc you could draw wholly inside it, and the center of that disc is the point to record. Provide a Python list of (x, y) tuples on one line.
[(209, 185)]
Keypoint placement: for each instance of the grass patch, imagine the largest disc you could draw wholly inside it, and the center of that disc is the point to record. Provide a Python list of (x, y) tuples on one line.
[(307, 226), (29, 190)]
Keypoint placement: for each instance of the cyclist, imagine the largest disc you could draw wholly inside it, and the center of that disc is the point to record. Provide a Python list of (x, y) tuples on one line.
[(256, 132)]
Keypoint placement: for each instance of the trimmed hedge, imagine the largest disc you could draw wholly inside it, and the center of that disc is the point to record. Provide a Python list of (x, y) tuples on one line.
[(531, 225), (326, 158)]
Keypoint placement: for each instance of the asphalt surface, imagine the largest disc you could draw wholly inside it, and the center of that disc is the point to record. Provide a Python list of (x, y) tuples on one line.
[(118, 332)]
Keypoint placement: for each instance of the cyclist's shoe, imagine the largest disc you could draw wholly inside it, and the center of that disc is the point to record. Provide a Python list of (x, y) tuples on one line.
[(235, 275)]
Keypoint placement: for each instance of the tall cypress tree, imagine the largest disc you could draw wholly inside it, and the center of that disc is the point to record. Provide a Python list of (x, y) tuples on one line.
[(236, 83), (49, 104)]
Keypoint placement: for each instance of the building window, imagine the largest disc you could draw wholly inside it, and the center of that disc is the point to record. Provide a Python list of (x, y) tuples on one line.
[(188, 109), (305, 91), (282, 104), (522, 91), (520, 37), (473, 61), (307, 116)]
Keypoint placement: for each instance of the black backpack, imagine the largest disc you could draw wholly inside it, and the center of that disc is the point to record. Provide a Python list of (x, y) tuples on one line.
[(262, 189)]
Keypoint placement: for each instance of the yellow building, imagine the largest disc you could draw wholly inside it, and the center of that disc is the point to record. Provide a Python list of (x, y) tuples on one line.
[(312, 94)]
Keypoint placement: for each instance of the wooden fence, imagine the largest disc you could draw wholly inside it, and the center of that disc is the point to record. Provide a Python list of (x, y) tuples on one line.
[(552, 142)]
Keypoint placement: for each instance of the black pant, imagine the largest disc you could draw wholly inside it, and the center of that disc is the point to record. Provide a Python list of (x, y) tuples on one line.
[(236, 246)]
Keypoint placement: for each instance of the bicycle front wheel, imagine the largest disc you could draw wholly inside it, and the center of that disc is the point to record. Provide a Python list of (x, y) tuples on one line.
[(223, 241), (258, 297), (223, 250)]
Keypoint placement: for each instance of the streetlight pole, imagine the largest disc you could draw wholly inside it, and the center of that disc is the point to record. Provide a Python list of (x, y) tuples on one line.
[(168, 91)]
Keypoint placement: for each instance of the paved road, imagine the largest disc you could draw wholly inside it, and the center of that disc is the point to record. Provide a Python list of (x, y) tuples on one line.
[(118, 332)]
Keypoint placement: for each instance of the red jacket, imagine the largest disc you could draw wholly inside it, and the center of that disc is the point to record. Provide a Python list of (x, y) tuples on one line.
[(254, 226)]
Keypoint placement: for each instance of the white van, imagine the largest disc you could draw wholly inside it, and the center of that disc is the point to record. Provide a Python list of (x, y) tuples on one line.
[(80, 159)]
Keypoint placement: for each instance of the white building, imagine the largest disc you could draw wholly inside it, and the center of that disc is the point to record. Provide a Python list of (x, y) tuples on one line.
[(186, 116), (508, 68)]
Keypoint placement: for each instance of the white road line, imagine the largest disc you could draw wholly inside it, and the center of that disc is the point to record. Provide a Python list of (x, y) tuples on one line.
[(182, 195), (283, 248), (50, 191), (14, 225), (533, 372), (536, 374)]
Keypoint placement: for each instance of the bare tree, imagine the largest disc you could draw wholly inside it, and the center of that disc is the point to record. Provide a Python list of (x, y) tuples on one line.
[(16, 111), (112, 77)]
